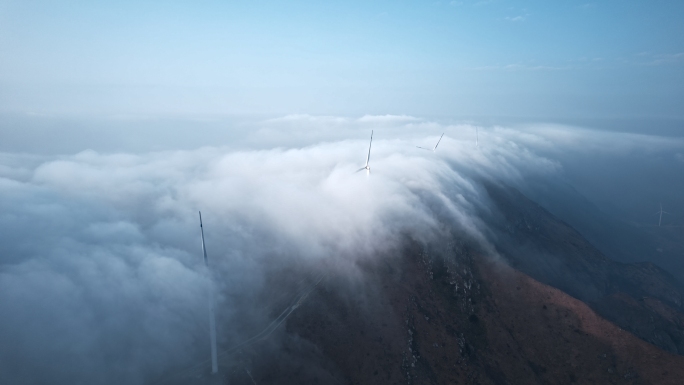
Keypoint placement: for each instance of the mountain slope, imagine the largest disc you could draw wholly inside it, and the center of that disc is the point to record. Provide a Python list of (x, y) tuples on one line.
[(466, 320), (640, 297), (554, 310)]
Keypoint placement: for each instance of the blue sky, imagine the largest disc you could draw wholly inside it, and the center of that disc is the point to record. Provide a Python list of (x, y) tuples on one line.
[(561, 59)]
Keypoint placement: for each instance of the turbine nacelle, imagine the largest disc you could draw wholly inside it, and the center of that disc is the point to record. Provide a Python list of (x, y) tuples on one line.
[(367, 168)]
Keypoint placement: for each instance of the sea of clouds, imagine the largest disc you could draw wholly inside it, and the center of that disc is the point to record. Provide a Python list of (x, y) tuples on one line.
[(101, 275)]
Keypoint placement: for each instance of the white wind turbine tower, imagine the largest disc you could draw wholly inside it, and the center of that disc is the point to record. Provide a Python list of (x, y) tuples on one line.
[(661, 212), (434, 148), (367, 167), (212, 316)]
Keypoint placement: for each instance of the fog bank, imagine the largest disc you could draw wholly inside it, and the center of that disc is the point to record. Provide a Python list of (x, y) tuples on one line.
[(100, 262)]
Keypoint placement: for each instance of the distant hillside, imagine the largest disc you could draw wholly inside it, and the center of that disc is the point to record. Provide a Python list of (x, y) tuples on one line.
[(639, 297)]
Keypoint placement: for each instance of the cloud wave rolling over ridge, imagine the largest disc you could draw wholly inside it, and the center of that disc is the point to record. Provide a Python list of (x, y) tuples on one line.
[(100, 269)]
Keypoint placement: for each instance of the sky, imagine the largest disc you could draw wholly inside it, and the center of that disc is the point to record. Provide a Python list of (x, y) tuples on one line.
[(487, 58)]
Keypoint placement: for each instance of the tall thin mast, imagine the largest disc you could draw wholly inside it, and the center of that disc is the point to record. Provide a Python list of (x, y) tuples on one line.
[(212, 316), (661, 215), (369, 148)]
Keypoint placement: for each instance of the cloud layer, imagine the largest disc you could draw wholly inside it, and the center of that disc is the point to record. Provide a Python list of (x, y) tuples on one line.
[(100, 265)]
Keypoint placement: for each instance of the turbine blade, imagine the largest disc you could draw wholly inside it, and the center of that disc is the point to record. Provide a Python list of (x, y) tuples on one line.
[(369, 148), (423, 148), (440, 139), (359, 170)]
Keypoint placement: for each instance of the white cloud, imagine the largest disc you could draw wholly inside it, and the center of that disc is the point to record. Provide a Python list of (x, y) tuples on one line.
[(515, 18), (387, 119), (100, 251)]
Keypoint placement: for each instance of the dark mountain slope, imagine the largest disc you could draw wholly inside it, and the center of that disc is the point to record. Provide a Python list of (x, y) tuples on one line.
[(617, 237), (461, 318), (641, 298), (450, 314)]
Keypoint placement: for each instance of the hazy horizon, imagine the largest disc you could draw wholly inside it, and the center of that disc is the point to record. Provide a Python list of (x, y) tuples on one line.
[(525, 58)]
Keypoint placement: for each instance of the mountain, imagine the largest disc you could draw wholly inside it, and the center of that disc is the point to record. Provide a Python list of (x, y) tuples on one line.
[(546, 308), (639, 297), (619, 239)]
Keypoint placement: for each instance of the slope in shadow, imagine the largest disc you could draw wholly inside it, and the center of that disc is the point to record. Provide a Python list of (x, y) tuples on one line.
[(640, 297), (451, 317)]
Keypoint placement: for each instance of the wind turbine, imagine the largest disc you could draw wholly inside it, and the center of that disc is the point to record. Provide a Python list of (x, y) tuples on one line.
[(434, 148), (367, 167), (661, 212), (212, 316)]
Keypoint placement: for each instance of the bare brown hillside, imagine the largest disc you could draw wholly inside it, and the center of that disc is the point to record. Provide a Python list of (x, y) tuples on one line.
[(466, 321)]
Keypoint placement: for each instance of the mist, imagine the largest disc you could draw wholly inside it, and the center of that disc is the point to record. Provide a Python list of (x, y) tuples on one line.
[(101, 276)]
